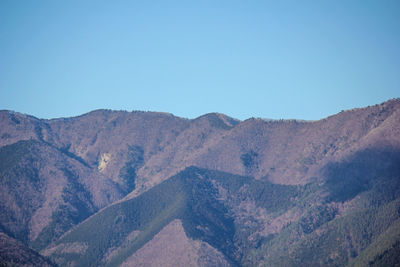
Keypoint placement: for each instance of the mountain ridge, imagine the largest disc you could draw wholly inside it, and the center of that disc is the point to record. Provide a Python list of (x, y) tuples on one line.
[(280, 182)]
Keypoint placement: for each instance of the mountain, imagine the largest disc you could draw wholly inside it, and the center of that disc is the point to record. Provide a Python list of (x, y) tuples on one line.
[(15, 253), (44, 192), (145, 188)]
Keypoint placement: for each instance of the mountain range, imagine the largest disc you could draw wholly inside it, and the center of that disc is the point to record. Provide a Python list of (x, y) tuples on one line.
[(118, 188)]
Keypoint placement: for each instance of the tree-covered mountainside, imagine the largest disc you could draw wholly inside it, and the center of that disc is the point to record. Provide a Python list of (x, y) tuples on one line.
[(44, 192), (250, 221), (203, 200), (15, 253), (114, 188)]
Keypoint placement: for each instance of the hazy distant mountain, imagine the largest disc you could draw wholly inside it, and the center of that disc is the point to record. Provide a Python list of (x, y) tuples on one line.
[(144, 188)]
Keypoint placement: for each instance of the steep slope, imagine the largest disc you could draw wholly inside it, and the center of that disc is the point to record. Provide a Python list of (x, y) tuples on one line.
[(328, 188), (117, 143), (185, 196), (174, 248), (350, 211), (15, 253), (140, 149), (16, 127), (203, 132), (44, 192), (212, 207), (384, 251), (285, 152), (361, 203)]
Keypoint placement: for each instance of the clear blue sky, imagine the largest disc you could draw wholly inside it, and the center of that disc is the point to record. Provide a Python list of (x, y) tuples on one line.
[(271, 59)]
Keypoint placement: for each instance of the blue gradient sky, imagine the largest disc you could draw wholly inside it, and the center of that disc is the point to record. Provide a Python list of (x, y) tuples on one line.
[(271, 59)]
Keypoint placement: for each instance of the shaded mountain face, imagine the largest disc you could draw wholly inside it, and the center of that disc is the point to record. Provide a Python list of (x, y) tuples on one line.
[(15, 253), (44, 192), (117, 188)]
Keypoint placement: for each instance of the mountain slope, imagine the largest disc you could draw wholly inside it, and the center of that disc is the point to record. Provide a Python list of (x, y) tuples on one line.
[(174, 248), (15, 253), (361, 205), (44, 192), (251, 221), (185, 197), (263, 192), (286, 152)]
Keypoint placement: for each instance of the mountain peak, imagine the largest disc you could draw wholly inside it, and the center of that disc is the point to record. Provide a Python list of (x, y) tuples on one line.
[(218, 120)]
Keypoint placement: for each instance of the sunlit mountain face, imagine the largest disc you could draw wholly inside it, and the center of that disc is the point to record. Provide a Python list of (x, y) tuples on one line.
[(114, 188)]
